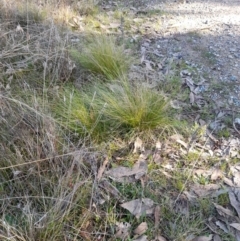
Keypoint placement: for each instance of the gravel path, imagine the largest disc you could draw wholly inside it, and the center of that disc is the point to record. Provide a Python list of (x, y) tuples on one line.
[(207, 35)]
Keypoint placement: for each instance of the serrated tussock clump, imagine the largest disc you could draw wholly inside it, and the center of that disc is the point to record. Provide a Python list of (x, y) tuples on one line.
[(101, 109), (103, 56)]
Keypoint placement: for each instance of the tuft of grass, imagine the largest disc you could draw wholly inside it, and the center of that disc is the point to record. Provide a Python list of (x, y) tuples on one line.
[(78, 112), (40, 191), (103, 56), (135, 107), (86, 7), (103, 109)]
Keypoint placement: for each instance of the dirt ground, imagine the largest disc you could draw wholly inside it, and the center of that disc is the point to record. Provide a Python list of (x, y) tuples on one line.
[(213, 43), (205, 36)]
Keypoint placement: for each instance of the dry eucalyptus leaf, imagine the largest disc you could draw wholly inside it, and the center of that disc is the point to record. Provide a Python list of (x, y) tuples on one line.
[(148, 65), (159, 238), (122, 230), (158, 145), (189, 82), (191, 98), (19, 29), (141, 229), (125, 174), (102, 169), (202, 172), (217, 238), (203, 238), (211, 225), (110, 189), (184, 144), (140, 168), (236, 179), (237, 235), (234, 202), (175, 137), (114, 25), (228, 182), (119, 172), (138, 145), (216, 174), (223, 211), (222, 226), (157, 158), (190, 196), (205, 190), (157, 216), (182, 205), (235, 225), (141, 238), (139, 207)]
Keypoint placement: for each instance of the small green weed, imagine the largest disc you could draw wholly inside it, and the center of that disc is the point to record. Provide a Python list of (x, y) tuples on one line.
[(224, 133), (155, 12), (177, 226), (223, 199), (209, 56), (86, 7), (206, 207)]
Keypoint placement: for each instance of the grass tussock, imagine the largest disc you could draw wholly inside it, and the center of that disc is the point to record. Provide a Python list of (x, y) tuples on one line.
[(43, 189), (104, 109), (103, 56)]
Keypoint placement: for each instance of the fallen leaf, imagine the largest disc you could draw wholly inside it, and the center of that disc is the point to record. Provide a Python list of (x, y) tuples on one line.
[(217, 238), (236, 179), (190, 196), (176, 137), (182, 205), (191, 98), (139, 207), (203, 238), (122, 230), (148, 65), (216, 174), (118, 172), (223, 211), (222, 226), (237, 235), (19, 29), (157, 216), (138, 145), (102, 169), (114, 25), (205, 190), (137, 20), (110, 189), (228, 182), (190, 83), (157, 158), (142, 58), (235, 225), (125, 174), (141, 238), (234, 202), (159, 238), (141, 229), (202, 172), (211, 225)]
